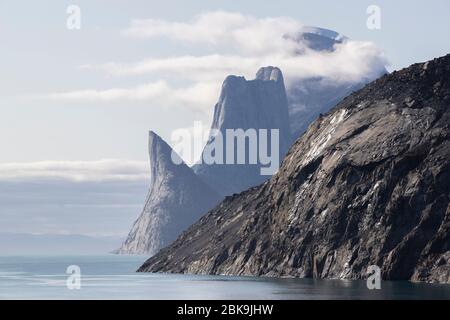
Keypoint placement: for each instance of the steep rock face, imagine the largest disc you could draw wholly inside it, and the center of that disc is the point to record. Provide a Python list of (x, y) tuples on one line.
[(247, 104), (176, 199), (367, 184)]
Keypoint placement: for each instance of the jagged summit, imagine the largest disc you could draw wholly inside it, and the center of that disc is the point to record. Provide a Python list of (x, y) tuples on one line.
[(161, 162), (367, 184), (270, 73), (176, 199), (256, 104)]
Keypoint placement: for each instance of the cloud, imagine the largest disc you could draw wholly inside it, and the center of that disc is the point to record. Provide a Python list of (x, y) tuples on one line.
[(197, 96), (196, 68), (242, 44), (224, 29), (253, 43), (108, 170), (350, 61), (75, 197), (142, 92)]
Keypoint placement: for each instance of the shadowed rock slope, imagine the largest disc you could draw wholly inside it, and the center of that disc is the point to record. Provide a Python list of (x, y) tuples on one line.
[(367, 184)]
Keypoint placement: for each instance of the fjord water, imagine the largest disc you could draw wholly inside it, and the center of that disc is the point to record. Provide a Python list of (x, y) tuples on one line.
[(114, 277)]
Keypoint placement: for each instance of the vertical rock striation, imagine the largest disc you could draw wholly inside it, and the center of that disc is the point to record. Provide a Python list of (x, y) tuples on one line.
[(247, 104)]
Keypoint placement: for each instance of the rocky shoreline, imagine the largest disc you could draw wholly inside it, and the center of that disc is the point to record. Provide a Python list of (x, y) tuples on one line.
[(367, 184)]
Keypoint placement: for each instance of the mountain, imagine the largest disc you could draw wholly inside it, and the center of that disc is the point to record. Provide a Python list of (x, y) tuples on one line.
[(317, 39), (257, 104), (367, 184), (308, 97), (176, 199), (247, 104)]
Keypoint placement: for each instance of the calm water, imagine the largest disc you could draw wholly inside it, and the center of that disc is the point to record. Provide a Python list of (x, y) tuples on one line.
[(113, 277)]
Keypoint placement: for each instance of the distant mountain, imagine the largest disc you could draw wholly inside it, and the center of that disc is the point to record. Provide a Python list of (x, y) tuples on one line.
[(367, 184), (311, 96), (247, 104), (176, 199), (318, 39)]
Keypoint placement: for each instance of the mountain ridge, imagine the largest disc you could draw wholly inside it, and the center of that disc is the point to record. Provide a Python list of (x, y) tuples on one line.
[(367, 184), (260, 103), (264, 103)]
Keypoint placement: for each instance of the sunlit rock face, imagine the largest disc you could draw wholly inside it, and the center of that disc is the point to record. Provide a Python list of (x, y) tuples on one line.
[(176, 199)]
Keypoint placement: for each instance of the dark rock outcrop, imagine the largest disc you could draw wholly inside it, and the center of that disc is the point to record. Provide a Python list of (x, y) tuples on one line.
[(367, 184)]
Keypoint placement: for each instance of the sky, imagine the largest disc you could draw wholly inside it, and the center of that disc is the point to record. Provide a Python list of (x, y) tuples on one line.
[(76, 104)]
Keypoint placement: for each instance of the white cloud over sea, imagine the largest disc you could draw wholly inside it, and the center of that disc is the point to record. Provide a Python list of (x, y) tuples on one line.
[(94, 198), (76, 171)]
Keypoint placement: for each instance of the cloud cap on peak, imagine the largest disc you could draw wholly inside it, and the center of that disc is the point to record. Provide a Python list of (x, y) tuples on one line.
[(235, 44)]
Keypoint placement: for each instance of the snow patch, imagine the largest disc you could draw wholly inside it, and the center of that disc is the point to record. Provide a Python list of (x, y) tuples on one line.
[(320, 143)]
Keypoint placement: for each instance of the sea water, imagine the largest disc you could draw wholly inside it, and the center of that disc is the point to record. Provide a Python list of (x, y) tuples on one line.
[(114, 277)]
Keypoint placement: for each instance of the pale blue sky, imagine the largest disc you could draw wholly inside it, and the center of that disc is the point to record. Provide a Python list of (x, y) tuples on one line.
[(39, 55), (41, 58)]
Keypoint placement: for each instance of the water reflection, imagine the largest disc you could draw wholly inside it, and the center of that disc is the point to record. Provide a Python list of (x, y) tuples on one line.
[(113, 277)]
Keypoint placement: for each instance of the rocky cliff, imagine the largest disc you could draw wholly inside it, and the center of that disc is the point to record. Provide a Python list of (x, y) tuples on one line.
[(176, 199), (255, 104), (367, 184)]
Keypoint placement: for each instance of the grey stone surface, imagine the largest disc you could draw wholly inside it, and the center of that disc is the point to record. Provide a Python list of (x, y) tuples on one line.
[(247, 104), (176, 199)]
